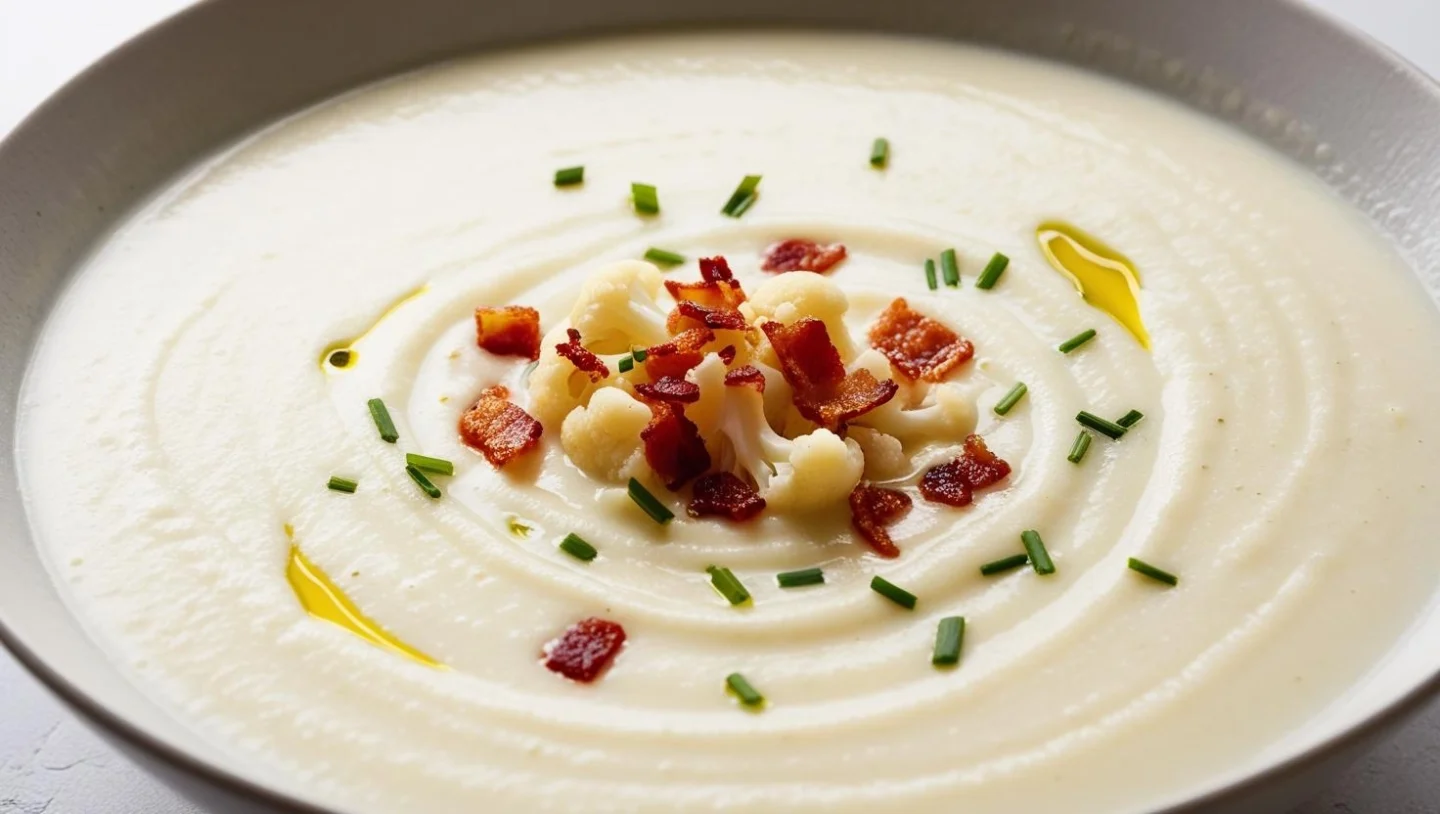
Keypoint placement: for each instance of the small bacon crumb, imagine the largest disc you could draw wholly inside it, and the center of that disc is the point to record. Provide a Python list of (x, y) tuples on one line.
[(583, 651), (724, 494), (955, 483), (671, 389), (824, 393), (676, 357), (689, 314), (673, 446), (798, 254), (872, 508), (587, 362), (727, 354), (917, 345), (498, 429), (511, 330), (747, 376), (715, 270)]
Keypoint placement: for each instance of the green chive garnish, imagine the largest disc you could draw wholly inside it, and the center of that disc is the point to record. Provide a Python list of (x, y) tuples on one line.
[(627, 364), (649, 503), (1079, 448), (950, 267), (570, 176), (640, 354), (1002, 565), (647, 200), (655, 255), (1109, 429), (796, 579), (747, 694), (1157, 574), (423, 482), (930, 274), (577, 547), (948, 638), (727, 584), (1130, 419), (1035, 547), (893, 592), (1011, 399), (743, 197), (388, 433), (342, 485), (1077, 340), (992, 272), (425, 463), (880, 153)]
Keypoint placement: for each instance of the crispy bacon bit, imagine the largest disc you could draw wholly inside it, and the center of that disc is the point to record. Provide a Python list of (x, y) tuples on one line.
[(824, 393), (715, 270), (512, 330), (584, 360), (498, 429), (726, 495), (747, 376), (676, 357), (727, 354), (671, 389), (718, 294), (688, 314), (673, 446), (919, 346), (955, 483), (584, 651), (872, 508), (798, 254)]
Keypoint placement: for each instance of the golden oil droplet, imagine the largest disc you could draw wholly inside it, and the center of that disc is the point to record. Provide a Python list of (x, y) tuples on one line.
[(341, 354), (1104, 277)]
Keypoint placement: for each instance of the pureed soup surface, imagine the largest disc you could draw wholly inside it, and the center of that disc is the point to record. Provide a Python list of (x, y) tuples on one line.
[(186, 409)]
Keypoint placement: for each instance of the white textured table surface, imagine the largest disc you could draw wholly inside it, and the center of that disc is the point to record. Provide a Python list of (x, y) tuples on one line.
[(50, 764)]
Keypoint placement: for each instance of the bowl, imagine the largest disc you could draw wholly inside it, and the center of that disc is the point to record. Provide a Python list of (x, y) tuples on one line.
[(1324, 96)]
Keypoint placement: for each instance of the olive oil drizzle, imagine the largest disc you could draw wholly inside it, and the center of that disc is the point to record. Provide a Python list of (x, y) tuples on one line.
[(341, 354), (1104, 277)]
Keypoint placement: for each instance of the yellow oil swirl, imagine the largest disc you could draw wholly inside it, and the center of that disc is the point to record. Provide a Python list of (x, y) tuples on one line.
[(323, 599), (341, 354), (1103, 276)]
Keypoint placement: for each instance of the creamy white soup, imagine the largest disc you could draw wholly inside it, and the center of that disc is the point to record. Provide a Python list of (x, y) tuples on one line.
[(1215, 511)]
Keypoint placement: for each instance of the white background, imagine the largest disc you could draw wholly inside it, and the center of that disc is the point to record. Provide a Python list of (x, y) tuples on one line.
[(50, 764)]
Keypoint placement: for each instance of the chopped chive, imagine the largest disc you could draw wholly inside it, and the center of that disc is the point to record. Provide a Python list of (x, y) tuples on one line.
[(1035, 547), (1004, 564), (649, 503), (647, 200), (388, 433), (992, 272), (1076, 341), (797, 579), (1109, 429), (1079, 448), (727, 584), (640, 354), (577, 547), (425, 463), (948, 638), (930, 274), (626, 364), (340, 358), (1157, 574), (743, 197), (423, 482), (570, 176), (747, 694), (893, 592), (339, 484), (950, 267), (880, 153), (1006, 404), (655, 255), (1130, 419)]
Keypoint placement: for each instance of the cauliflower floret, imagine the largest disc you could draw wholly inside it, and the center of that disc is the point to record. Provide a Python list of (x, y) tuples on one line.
[(796, 294), (616, 308), (603, 437), (885, 457), (946, 415), (822, 471), (556, 387)]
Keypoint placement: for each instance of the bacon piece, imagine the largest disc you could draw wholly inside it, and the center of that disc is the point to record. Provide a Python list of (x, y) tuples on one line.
[(955, 483), (824, 393), (718, 294), (676, 357), (671, 389), (498, 429), (688, 314), (798, 254), (917, 345), (726, 495), (747, 376), (583, 651), (673, 446), (512, 330), (715, 270), (587, 362), (872, 508), (727, 354)]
